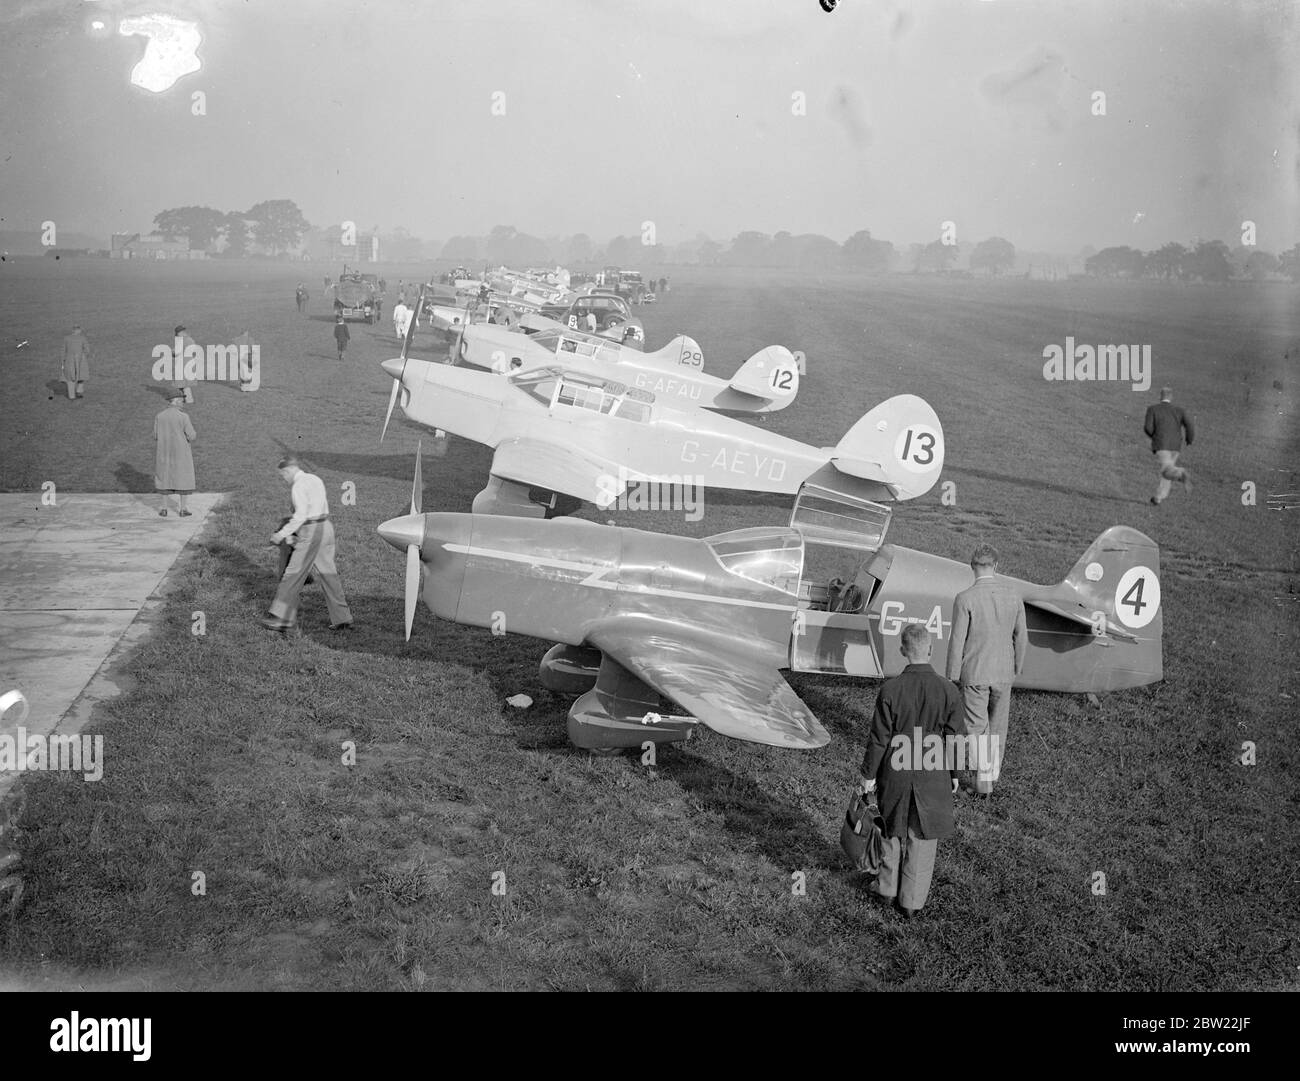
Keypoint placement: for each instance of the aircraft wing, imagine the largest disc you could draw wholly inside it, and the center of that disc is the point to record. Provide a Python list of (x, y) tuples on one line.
[(731, 691), (556, 468)]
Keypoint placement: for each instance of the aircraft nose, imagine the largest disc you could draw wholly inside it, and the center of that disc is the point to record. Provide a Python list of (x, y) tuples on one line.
[(405, 531), (393, 367)]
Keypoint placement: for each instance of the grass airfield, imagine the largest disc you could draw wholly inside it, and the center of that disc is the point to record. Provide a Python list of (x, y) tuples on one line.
[(222, 756)]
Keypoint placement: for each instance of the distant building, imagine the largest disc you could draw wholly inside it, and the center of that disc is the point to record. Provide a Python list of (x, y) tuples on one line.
[(152, 246)]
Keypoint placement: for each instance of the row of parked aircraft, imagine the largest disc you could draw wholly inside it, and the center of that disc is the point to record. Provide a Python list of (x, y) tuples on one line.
[(709, 624)]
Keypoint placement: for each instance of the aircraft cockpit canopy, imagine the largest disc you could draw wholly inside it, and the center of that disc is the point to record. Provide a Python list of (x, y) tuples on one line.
[(825, 516), (579, 390), (773, 556), (564, 344)]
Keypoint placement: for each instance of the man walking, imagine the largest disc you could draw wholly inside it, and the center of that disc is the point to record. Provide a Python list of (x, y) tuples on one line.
[(1166, 424), (341, 335), (173, 472), (76, 363), (916, 712), (985, 655), (313, 552), (246, 361), (401, 319), (300, 296)]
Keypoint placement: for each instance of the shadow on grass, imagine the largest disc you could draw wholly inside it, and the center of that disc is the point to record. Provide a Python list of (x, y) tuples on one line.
[(131, 479), (785, 835), (1042, 486)]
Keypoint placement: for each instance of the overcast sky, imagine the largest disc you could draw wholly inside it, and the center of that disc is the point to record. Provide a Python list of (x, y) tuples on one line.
[(680, 112)]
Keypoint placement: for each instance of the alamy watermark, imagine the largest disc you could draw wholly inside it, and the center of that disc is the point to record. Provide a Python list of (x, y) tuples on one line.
[(636, 491), (1104, 363), (186, 363), (22, 751), (974, 752)]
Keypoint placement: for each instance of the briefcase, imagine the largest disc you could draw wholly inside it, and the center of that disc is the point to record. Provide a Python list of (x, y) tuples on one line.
[(286, 553), (862, 833)]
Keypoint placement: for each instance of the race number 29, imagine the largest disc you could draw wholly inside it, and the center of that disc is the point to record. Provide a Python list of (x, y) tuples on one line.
[(919, 447), (1137, 597)]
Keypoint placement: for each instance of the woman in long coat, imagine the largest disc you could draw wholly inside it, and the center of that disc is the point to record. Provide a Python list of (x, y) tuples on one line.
[(174, 464)]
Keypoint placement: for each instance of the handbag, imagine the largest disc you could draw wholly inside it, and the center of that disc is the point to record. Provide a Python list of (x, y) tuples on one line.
[(862, 833)]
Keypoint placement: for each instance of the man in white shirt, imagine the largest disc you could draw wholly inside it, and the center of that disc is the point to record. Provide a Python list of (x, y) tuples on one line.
[(313, 552), (401, 319)]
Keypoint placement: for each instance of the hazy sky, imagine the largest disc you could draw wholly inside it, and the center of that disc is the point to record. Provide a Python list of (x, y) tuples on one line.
[(681, 112)]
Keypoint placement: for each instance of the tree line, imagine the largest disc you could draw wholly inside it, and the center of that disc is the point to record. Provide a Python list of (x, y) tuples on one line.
[(278, 226), (1205, 260)]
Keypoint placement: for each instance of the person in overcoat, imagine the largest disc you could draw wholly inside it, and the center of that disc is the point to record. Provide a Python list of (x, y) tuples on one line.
[(173, 463), (908, 763)]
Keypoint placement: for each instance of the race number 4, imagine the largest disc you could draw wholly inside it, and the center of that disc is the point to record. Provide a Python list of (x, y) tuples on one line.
[(1137, 597), (919, 447)]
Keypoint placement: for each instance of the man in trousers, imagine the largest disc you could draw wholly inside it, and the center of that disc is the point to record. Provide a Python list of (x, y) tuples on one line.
[(985, 655), (247, 361), (911, 751), (341, 335), (1167, 424), (76, 363), (313, 552)]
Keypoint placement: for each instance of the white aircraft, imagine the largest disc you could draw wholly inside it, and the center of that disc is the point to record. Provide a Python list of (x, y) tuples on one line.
[(768, 381)]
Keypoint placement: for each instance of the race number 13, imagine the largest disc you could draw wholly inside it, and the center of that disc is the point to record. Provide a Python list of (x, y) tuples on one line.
[(919, 447)]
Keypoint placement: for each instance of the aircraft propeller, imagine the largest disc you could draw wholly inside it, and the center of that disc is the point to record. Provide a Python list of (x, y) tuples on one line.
[(406, 348), (413, 553)]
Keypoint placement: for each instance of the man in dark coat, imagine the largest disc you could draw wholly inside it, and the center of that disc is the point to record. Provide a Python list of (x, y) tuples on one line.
[(341, 335), (910, 754), (1166, 423)]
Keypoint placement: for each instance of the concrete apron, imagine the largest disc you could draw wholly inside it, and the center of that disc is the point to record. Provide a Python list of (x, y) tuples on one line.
[(73, 578)]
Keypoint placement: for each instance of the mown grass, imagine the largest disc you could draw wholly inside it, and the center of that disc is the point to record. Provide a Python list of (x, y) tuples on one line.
[(225, 755)]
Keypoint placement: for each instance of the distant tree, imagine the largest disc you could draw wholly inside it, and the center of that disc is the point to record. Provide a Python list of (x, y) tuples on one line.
[(935, 257), (748, 249), (816, 252), (236, 233), (498, 243), (1165, 262), (1260, 264), (1289, 263), (523, 250), (278, 224), (400, 246), (462, 249), (201, 225), (579, 249), (621, 252), (710, 252), (994, 255), (1209, 261), (1120, 262), (865, 253), (783, 251)]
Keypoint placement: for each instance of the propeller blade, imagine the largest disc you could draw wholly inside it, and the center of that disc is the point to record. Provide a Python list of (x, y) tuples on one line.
[(412, 585), (417, 486), (392, 401)]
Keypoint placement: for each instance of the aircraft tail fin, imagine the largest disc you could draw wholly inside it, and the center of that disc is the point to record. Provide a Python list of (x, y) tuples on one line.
[(771, 373), (683, 352), (1113, 592), (899, 444)]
